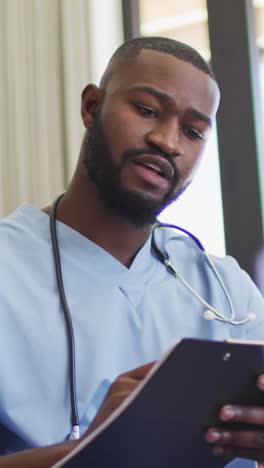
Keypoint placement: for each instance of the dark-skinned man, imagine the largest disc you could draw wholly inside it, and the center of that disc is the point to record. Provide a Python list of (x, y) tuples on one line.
[(147, 125)]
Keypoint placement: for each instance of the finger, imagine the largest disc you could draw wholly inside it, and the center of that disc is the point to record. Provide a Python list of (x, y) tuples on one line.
[(140, 372), (236, 438), (229, 451), (246, 414), (115, 396), (122, 387), (126, 383), (123, 381)]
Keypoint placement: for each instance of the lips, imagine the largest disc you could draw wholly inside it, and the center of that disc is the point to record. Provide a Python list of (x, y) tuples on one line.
[(155, 163)]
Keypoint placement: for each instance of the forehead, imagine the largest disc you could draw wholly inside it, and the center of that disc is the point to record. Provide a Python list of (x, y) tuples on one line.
[(181, 80)]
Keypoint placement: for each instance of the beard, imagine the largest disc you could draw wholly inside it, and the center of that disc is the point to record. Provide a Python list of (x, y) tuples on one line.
[(134, 206)]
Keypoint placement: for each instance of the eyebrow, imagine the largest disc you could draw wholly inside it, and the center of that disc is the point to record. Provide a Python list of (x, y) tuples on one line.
[(195, 113), (199, 115)]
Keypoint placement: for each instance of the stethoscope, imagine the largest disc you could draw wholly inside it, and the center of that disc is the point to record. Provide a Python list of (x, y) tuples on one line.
[(209, 314)]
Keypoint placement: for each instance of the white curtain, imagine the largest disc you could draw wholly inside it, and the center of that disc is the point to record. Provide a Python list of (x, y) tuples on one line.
[(44, 65)]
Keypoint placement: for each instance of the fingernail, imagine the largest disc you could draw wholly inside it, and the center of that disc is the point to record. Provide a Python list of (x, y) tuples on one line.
[(218, 450), (227, 412), (213, 436), (226, 435)]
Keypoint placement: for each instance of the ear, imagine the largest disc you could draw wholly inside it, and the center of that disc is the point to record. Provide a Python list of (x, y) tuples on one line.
[(91, 99)]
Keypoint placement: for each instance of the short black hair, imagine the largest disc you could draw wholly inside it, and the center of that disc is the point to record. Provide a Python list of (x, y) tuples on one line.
[(180, 50)]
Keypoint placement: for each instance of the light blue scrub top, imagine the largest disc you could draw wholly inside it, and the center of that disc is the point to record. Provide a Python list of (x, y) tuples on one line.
[(122, 318)]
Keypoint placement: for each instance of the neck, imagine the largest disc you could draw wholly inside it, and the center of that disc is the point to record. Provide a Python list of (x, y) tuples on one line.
[(81, 209)]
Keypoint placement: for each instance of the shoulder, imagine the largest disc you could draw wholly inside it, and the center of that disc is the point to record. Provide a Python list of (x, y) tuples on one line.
[(24, 237), (24, 215), (25, 223)]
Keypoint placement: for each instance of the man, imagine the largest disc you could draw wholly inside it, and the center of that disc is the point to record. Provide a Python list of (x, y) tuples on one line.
[(146, 129)]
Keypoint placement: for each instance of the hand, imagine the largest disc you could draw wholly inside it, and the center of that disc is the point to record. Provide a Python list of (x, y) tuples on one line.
[(240, 443), (118, 391), (45, 457)]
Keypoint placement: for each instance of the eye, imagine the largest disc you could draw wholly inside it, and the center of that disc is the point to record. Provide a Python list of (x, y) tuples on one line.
[(146, 111), (193, 134)]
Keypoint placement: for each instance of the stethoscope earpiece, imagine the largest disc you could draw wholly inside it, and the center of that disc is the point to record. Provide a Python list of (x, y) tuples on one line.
[(251, 316), (209, 315)]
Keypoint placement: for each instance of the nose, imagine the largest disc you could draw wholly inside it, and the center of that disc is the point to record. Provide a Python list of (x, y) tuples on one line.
[(167, 138)]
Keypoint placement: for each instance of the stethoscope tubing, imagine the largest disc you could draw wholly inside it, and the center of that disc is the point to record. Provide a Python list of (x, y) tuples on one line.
[(178, 228), (67, 315), (164, 259)]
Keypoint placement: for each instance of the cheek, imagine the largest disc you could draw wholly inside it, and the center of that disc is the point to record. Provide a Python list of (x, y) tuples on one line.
[(115, 134), (189, 164), (122, 129)]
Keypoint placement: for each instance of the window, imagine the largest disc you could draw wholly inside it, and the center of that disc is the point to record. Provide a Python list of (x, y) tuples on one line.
[(199, 209), (259, 17)]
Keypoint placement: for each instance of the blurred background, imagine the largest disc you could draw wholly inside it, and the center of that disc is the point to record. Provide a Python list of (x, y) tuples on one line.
[(49, 51)]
